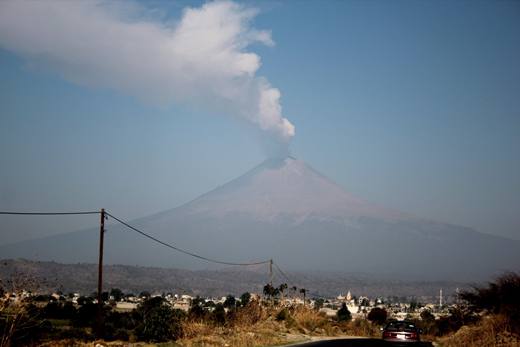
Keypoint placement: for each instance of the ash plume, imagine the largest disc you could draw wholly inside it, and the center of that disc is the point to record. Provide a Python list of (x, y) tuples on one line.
[(201, 59)]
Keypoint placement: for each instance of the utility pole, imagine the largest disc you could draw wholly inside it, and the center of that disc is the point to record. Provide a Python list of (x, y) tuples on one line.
[(100, 273), (271, 271)]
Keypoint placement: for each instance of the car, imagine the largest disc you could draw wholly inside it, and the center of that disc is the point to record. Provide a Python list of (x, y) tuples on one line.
[(401, 332)]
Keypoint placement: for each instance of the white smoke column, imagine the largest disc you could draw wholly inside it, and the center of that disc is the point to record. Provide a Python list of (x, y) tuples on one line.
[(201, 59)]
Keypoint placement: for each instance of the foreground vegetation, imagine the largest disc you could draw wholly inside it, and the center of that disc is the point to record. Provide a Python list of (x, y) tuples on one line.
[(486, 316), (253, 323), (494, 315)]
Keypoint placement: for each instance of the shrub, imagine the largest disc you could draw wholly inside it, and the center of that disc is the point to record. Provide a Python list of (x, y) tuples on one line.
[(361, 327), (218, 315), (499, 297), (318, 303), (283, 314), (156, 325), (84, 300), (86, 315), (250, 314), (56, 310), (343, 313), (377, 315), (21, 324), (197, 311), (230, 302), (309, 319), (244, 299), (158, 321), (117, 294)]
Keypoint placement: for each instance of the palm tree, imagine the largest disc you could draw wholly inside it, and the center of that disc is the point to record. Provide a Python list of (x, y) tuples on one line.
[(294, 291), (281, 288), (268, 290), (304, 292)]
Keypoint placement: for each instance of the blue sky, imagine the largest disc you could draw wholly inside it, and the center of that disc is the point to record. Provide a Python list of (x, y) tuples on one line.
[(411, 104)]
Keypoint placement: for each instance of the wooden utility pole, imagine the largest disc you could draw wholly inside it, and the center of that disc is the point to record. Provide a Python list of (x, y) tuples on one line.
[(100, 273), (271, 271)]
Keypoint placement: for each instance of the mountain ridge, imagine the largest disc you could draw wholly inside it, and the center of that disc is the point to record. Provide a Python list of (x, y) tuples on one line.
[(81, 277), (286, 210)]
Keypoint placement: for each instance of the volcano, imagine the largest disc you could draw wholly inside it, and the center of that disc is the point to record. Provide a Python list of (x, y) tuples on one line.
[(285, 210)]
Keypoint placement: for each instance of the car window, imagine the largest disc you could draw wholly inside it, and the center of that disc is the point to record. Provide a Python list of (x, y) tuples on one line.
[(400, 326)]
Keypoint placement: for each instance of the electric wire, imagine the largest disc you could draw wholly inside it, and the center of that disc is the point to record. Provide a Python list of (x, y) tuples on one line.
[(290, 281), (283, 273), (48, 213), (182, 250)]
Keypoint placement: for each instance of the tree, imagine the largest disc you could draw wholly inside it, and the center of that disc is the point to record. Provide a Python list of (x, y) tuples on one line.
[(20, 321), (343, 313), (377, 315), (155, 325), (85, 300), (104, 296), (244, 299), (208, 304), (230, 302), (117, 294), (56, 310), (196, 308), (281, 288), (414, 305), (427, 323), (427, 316), (499, 297), (271, 291), (158, 321), (304, 292), (364, 302), (219, 314), (20, 324), (268, 289), (145, 294), (86, 315), (294, 289), (318, 303)]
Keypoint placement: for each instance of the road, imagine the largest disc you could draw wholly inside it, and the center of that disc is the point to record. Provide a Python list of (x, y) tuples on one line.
[(359, 342)]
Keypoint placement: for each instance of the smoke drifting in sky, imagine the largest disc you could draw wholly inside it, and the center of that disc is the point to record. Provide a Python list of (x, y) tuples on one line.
[(200, 59)]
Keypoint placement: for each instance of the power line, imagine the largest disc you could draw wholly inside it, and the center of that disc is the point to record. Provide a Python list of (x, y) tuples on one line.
[(314, 294), (103, 213), (182, 250), (47, 213), (283, 273), (134, 229)]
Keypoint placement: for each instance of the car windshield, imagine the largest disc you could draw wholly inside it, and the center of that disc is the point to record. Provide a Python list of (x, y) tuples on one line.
[(401, 326)]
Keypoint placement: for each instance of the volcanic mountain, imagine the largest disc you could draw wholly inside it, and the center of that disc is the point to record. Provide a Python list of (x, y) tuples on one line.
[(285, 210)]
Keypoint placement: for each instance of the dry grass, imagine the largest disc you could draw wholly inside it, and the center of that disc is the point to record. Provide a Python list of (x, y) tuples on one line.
[(310, 322), (75, 343), (255, 326), (265, 326), (258, 326), (361, 327), (260, 334), (492, 331)]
